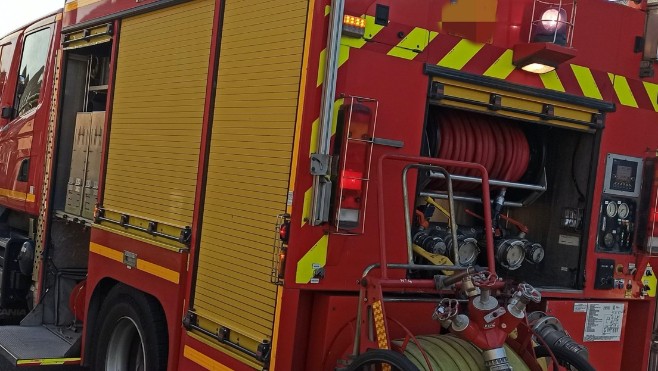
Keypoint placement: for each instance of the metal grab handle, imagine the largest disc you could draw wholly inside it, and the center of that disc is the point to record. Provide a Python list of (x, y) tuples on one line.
[(435, 162)]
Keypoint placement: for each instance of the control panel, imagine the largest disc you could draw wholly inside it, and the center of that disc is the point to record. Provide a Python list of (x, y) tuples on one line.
[(617, 214), (622, 175), (617, 224)]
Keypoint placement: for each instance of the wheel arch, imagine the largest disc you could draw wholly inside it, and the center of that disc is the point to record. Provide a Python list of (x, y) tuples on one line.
[(100, 293)]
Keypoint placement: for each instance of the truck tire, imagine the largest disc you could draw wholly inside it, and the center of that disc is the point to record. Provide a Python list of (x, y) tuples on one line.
[(131, 333), (377, 357), (566, 358)]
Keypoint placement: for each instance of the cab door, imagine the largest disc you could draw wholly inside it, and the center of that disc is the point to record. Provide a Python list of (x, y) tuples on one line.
[(26, 108)]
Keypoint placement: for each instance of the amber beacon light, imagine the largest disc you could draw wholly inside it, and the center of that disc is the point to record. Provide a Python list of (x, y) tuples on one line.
[(550, 37)]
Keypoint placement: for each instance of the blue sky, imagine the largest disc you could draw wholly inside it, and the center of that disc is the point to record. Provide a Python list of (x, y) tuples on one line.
[(14, 14)]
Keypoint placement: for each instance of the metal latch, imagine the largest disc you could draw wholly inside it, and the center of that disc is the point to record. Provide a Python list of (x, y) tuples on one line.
[(320, 164), (130, 259)]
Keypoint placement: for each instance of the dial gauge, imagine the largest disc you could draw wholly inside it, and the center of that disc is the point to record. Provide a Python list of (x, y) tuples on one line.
[(623, 210), (611, 209)]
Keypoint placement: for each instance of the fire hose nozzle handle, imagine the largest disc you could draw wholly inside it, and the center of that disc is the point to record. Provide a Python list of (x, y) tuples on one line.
[(529, 293), (447, 309)]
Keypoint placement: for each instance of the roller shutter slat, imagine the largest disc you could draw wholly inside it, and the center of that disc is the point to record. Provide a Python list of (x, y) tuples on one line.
[(160, 86), (249, 162)]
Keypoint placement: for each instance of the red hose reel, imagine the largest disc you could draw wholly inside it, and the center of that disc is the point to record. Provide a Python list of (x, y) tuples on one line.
[(502, 148)]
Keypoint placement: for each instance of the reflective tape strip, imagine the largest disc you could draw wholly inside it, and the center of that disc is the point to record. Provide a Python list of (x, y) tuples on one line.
[(314, 259), (307, 205), (502, 67), (652, 91), (586, 81), (552, 81), (623, 90), (17, 195), (380, 325), (463, 52), (142, 265), (48, 361), (414, 43), (203, 360)]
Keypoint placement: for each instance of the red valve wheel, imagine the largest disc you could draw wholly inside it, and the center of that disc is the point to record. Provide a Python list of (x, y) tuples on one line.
[(484, 279)]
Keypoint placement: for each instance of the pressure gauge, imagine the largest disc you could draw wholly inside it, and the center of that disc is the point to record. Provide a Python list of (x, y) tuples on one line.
[(510, 253), (468, 251), (611, 209), (534, 253), (623, 210)]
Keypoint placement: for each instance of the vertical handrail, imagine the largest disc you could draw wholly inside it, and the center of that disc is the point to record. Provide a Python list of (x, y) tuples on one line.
[(486, 201)]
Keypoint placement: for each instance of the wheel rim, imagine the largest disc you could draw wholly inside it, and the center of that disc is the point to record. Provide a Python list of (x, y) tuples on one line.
[(125, 351)]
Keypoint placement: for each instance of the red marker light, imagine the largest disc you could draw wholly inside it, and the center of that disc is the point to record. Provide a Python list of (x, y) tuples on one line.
[(284, 232)]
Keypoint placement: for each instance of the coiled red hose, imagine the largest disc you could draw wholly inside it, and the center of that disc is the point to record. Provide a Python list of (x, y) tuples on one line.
[(501, 147)]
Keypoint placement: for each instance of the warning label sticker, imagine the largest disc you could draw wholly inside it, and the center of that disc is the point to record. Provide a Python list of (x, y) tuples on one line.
[(603, 322), (580, 307)]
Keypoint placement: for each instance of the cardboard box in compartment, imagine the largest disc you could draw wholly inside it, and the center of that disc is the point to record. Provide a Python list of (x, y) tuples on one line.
[(93, 164), (82, 190)]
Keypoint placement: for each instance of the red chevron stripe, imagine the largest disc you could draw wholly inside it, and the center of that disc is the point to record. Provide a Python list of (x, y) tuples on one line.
[(483, 59), (640, 94), (439, 47)]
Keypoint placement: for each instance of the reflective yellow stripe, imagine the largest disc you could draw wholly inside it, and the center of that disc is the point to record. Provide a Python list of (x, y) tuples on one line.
[(552, 81), (306, 213), (317, 256), (142, 265), (203, 360), (623, 90), (106, 252), (415, 42), (652, 91), (380, 324), (158, 270), (48, 361), (16, 195), (463, 52), (586, 81), (502, 67)]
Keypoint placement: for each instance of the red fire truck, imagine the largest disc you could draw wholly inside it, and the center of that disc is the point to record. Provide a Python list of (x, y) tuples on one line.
[(330, 185)]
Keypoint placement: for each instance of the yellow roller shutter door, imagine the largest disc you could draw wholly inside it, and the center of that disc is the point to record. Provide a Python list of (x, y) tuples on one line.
[(249, 164), (157, 114)]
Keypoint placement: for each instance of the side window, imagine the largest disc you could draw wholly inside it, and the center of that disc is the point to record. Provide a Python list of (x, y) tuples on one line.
[(31, 72), (3, 74), (5, 62)]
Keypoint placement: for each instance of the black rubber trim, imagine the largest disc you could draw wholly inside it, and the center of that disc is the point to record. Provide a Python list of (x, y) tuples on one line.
[(491, 82)]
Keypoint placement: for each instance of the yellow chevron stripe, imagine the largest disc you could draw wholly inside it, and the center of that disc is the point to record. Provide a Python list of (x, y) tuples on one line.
[(623, 90), (306, 210), (502, 67), (586, 81), (652, 91), (317, 255), (415, 42), (463, 52), (552, 81), (372, 29)]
